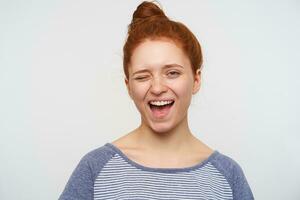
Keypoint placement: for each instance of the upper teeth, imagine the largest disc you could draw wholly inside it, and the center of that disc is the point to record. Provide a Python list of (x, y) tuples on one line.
[(160, 103)]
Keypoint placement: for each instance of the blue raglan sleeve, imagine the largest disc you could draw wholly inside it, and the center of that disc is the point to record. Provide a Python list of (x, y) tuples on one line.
[(235, 177), (240, 186), (80, 184)]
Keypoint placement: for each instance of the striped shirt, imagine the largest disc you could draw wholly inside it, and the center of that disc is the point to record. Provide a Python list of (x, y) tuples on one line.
[(107, 173)]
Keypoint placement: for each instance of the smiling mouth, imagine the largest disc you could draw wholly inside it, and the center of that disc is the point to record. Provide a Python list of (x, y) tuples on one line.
[(160, 104), (160, 108)]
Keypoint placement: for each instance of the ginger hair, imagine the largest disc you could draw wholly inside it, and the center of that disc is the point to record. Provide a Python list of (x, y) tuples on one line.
[(150, 22)]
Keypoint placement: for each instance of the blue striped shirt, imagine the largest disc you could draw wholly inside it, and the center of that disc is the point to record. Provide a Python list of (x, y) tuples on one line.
[(107, 173)]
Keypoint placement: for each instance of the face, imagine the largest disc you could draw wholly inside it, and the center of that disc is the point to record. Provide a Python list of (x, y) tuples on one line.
[(161, 84)]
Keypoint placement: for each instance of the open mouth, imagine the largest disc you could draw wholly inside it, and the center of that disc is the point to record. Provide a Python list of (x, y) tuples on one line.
[(160, 108), (160, 104)]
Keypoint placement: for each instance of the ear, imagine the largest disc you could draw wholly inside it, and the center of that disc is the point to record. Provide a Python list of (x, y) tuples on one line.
[(128, 87), (197, 81)]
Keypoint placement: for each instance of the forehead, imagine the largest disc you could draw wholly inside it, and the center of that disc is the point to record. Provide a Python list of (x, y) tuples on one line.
[(153, 54)]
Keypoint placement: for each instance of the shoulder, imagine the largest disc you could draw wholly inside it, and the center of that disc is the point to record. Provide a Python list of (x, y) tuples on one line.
[(227, 166), (97, 158), (81, 182), (225, 163), (234, 174), (100, 153)]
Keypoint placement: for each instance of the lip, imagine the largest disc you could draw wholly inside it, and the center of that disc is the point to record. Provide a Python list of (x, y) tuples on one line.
[(155, 116)]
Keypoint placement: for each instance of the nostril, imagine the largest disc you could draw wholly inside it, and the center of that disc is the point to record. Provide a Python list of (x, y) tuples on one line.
[(158, 90), (157, 87)]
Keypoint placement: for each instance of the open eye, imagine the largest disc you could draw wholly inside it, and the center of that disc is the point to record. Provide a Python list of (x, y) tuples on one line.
[(173, 74)]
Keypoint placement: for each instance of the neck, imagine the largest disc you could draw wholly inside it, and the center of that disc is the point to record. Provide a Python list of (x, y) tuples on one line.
[(176, 140)]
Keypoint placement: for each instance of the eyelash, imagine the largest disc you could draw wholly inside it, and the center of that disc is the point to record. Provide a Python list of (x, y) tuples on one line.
[(140, 78), (171, 74)]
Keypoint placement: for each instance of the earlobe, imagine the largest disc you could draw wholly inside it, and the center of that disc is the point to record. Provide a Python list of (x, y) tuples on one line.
[(197, 81)]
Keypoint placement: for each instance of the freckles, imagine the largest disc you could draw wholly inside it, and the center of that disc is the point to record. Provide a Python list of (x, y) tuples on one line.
[(182, 87), (139, 91)]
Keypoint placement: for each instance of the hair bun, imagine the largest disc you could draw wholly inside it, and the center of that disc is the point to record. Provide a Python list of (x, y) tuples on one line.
[(146, 10)]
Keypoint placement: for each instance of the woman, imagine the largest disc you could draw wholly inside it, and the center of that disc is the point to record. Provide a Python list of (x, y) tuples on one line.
[(161, 159)]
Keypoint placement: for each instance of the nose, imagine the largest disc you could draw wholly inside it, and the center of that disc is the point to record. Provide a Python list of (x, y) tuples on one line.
[(157, 86)]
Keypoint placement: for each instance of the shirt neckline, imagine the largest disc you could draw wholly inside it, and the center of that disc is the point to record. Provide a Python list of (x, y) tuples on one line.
[(165, 170)]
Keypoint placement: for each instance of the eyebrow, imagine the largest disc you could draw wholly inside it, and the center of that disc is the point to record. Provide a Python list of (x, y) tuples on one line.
[(173, 65), (164, 67)]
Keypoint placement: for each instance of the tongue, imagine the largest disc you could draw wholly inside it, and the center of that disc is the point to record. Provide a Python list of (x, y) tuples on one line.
[(160, 111)]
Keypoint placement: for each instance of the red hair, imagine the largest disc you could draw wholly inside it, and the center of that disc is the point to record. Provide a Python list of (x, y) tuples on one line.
[(150, 22)]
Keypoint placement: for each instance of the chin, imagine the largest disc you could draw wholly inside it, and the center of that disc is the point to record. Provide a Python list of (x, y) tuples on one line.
[(161, 128)]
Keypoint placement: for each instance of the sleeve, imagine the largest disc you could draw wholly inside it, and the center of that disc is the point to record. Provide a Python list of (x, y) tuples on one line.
[(80, 184), (235, 177), (241, 188)]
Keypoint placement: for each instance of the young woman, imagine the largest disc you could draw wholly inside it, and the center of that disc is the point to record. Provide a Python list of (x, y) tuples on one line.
[(160, 159)]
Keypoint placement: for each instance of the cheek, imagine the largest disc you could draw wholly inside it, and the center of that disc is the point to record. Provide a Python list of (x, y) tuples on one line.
[(183, 89), (138, 92)]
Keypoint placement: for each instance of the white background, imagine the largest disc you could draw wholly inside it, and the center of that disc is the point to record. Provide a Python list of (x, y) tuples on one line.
[(62, 92)]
